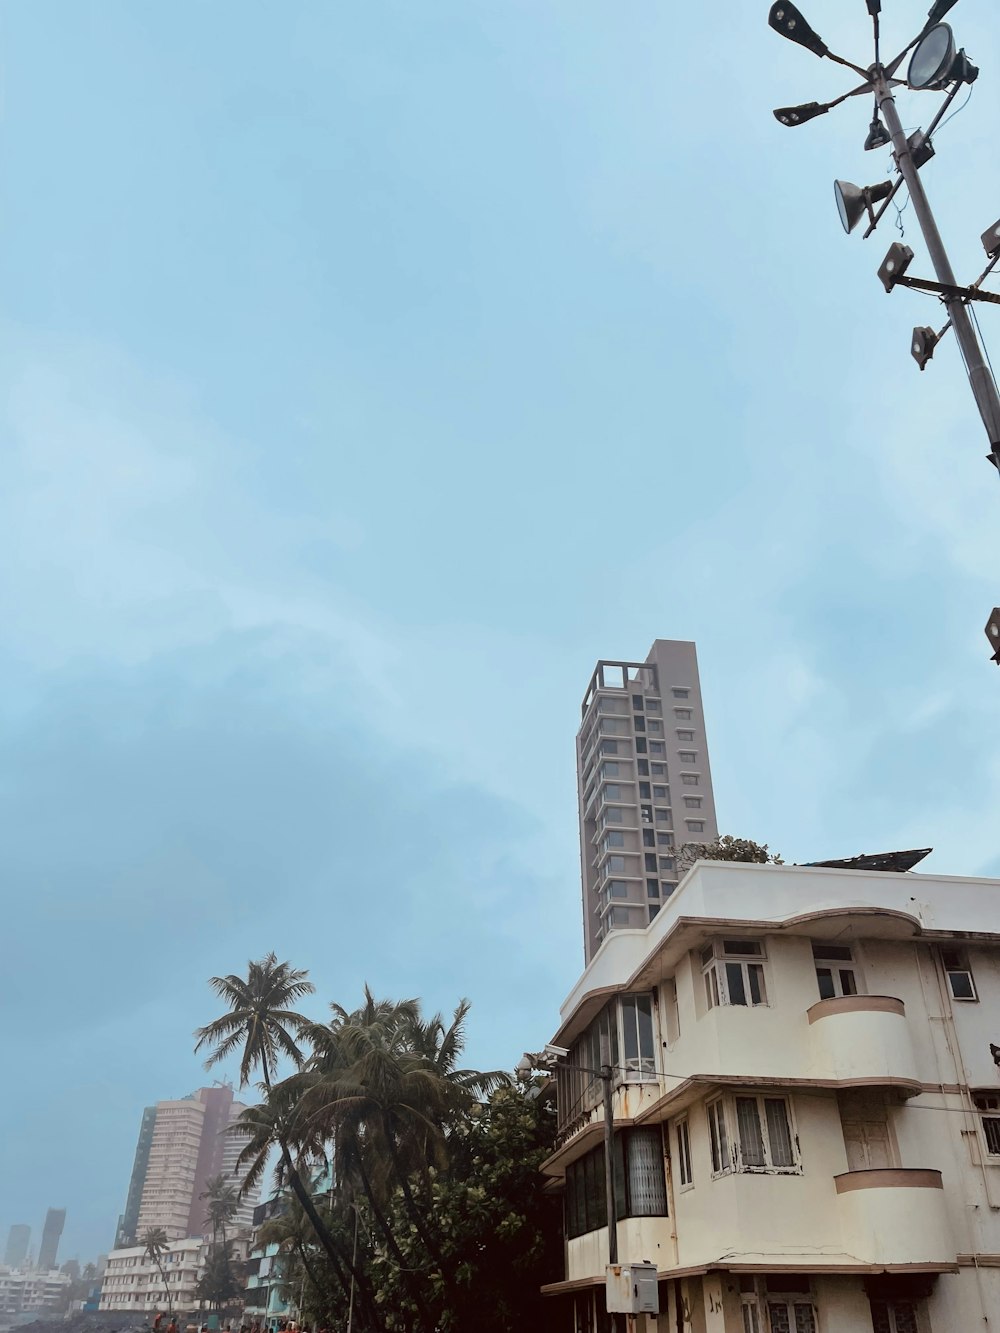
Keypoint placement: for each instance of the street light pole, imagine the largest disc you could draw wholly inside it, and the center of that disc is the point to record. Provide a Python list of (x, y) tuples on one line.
[(606, 1076), (980, 378)]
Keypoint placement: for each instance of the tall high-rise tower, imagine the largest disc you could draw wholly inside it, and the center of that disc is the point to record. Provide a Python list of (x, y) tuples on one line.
[(18, 1239), (55, 1220), (645, 785), (182, 1145)]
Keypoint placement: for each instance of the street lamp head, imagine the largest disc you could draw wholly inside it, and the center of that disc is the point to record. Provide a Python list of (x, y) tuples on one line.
[(894, 265), (991, 239), (935, 63), (878, 135), (922, 345), (787, 20), (798, 115), (993, 634), (523, 1068), (853, 201)]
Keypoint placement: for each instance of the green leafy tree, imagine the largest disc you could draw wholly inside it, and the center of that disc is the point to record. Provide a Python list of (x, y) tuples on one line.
[(499, 1229), (155, 1244), (726, 848)]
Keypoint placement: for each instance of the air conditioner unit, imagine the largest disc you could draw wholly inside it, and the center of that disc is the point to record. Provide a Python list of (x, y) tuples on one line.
[(632, 1289)]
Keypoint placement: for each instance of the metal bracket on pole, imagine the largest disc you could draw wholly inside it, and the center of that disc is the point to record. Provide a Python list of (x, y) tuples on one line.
[(947, 289)]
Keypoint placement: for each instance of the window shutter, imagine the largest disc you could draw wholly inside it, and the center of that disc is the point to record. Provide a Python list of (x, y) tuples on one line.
[(647, 1189)]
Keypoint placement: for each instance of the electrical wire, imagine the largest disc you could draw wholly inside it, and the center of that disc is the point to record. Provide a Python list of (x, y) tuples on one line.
[(975, 317), (968, 99)]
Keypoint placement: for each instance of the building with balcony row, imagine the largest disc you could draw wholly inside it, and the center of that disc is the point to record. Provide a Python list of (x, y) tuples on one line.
[(27, 1290), (806, 1105), (133, 1282)]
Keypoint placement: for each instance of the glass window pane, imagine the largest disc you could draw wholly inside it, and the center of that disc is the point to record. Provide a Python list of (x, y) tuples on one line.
[(644, 1013), (848, 985), (779, 1133), (629, 1033), (758, 995), (734, 984), (825, 978), (748, 1125), (961, 985)]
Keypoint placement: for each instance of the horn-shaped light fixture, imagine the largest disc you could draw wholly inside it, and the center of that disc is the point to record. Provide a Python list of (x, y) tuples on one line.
[(853, 201)]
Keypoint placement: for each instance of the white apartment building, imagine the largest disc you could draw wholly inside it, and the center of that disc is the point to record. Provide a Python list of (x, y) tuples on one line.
[(24, 1290), (133, 1281), (806, 1106), (644, 785)]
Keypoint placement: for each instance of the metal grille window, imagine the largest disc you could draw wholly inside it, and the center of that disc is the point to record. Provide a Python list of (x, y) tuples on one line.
[(639, 1178), (791, 1316), (894, 1317)]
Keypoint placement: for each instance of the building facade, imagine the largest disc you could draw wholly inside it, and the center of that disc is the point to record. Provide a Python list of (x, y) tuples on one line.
[(48, 1250), (806, 1106), (264, 1300), (644, 784), (133, 1282), (26, 1291), (182, 1145), (18, 1240)]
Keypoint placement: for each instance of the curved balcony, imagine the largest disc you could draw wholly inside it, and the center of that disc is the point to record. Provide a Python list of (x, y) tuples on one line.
[(863, 1040), (894, 1216)]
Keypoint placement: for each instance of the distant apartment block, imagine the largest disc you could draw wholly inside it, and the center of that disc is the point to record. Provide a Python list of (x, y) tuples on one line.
[(18, 1240), (182, 1145), (29, 1291), (645, 785), (55, 1220)]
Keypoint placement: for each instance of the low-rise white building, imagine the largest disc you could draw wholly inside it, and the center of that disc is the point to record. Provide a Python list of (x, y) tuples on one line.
[(806, 1106), (133, 1281), (25, 1290)]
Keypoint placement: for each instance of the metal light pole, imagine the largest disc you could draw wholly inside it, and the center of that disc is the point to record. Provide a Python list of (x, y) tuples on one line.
[(935, 65), (606, 1074), (983, 384)]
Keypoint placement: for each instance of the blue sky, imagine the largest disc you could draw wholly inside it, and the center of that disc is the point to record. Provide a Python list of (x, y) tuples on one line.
[(368, 372)]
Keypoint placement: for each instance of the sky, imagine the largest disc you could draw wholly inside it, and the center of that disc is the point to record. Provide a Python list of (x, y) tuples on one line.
[(368, 372)]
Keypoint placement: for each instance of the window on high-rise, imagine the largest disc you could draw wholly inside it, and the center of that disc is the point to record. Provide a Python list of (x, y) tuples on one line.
[(680, 694)]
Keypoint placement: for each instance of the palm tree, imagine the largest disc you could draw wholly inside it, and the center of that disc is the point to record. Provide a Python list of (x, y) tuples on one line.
[(385, 1088), (223, 1205), (156, 1244), (260, 1019)]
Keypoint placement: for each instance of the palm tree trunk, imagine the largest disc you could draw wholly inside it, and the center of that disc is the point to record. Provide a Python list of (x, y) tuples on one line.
[(405, 1271), (416, 1217), (328, 1244), (166, 1287)]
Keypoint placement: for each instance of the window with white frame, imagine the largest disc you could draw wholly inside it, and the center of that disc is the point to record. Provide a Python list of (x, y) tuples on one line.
[(718, 1138), (835, 973), (751, 1133), (956, 967), (987, 1103), (685, 1177), (763, 1134), (637, 1034), (734, 973)]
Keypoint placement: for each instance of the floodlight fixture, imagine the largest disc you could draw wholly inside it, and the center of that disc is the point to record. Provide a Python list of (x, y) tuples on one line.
[(798, 115), (897, 260), (878, 135), (922, 345), (921, 148), (991, 240), (993, 634), (935, 63), (788, 20), (853, 201)]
